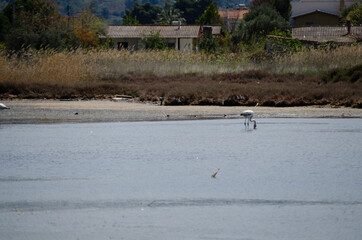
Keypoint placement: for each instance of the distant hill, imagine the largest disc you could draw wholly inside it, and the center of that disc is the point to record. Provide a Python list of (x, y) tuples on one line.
[(113, 10)]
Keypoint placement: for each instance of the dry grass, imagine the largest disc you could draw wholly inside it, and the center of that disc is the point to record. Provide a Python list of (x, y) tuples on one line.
[(182, 78), (70, 67)]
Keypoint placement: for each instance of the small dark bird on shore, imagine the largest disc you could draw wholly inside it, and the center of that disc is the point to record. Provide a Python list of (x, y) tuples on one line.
[(214, 174)]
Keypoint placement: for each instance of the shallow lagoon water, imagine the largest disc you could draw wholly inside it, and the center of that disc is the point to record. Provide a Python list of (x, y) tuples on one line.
[(288, 179)]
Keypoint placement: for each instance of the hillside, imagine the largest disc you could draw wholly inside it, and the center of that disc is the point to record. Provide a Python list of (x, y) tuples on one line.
[(113, 10)]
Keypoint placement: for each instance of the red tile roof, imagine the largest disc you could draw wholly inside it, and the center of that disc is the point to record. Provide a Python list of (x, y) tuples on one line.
[(233, 14)]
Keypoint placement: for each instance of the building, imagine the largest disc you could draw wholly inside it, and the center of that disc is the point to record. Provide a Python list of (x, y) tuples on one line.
[(329, 6), (318, 13), (316, 18), (231, 17), (179, 37)]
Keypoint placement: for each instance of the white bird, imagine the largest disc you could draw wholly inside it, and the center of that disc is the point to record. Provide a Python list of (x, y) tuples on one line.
[(2, 106), (248, 115)]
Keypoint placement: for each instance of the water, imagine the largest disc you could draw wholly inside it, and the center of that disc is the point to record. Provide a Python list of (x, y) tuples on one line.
[(288, 179)]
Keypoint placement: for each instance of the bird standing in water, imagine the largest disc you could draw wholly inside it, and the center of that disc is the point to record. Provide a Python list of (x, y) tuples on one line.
[(214, 174), (248, 115)]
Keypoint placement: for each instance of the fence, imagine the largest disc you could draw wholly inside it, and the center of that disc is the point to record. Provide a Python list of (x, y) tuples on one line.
[(329, 33)]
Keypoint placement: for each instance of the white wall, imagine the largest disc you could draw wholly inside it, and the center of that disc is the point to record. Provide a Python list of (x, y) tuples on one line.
[(186, 44), (137, 44), (133, 44)]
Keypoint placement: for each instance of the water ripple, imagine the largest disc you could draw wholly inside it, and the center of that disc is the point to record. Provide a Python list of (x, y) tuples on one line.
[(135, 203), (37, 179)]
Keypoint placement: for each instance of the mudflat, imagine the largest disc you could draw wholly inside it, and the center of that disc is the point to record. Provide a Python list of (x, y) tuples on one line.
[(54, 111)]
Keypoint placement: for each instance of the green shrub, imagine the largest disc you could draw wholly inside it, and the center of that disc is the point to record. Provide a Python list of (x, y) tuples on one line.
[(154, 42), (209, 45), (353, 74)]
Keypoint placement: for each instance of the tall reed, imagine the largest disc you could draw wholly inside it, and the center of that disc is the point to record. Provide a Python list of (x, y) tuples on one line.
[(82, 66)]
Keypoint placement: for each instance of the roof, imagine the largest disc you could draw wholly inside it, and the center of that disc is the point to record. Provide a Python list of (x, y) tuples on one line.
[(166, 31), (233, 14), (315, 11), (324, 34), (331, 6)]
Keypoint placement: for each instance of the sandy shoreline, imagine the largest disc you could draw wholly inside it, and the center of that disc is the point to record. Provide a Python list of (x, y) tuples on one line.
[(52, 111)]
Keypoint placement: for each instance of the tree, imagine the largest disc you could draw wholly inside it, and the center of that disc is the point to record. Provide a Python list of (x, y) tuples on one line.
[(128, 20), (154, 42), (5, 26), (355, 15), (32, 22), (192, 9), (35, 15), (145, 14), (260, 21), (88, 27), (169, 14), (105, 13), (282, 6), (210, 16)]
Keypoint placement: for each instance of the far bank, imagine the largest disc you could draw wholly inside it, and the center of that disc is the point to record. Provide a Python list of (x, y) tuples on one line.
[(53, 111)]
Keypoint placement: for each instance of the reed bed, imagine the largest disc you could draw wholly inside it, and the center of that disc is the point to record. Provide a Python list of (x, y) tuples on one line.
[(75, 66), (182, 78)]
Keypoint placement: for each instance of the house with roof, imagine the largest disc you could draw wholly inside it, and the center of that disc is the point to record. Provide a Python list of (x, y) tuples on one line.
[(316, 18), (178, 37), (318, 12), (231, 17)]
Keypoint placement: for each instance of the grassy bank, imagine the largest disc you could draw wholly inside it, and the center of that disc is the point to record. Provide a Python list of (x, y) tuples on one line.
[(186, 78)]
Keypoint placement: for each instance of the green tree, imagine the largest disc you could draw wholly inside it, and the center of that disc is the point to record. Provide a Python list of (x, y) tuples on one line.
[(260, 21), (209, 45), (192, 9), (5, 26), (282, 6), (154, 42), (35, 15), (129, 20), (355, 15), (169, 14), (145, 14), (32, 21), (210, 16), (88, 27), (344, 13)]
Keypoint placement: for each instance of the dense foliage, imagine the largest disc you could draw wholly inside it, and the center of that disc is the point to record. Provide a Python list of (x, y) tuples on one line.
[(283, 7), (352, 13), (169, 13), (38, 24), (154, 42), (192, 9), (259, 22), (210, 16), (144, 13)]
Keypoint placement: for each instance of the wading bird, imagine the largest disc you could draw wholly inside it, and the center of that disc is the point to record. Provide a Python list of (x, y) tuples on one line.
[(248, 115), (214, 174), (2, 106)]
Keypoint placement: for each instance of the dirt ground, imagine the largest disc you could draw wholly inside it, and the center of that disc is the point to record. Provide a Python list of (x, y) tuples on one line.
[(52, 111)]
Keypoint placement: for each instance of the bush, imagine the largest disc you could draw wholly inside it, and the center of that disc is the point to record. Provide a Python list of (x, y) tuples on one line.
[(259, 22), (209, 45), (284, 44), (353, 74), (19, 39), (50, 39), (154, 42)]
